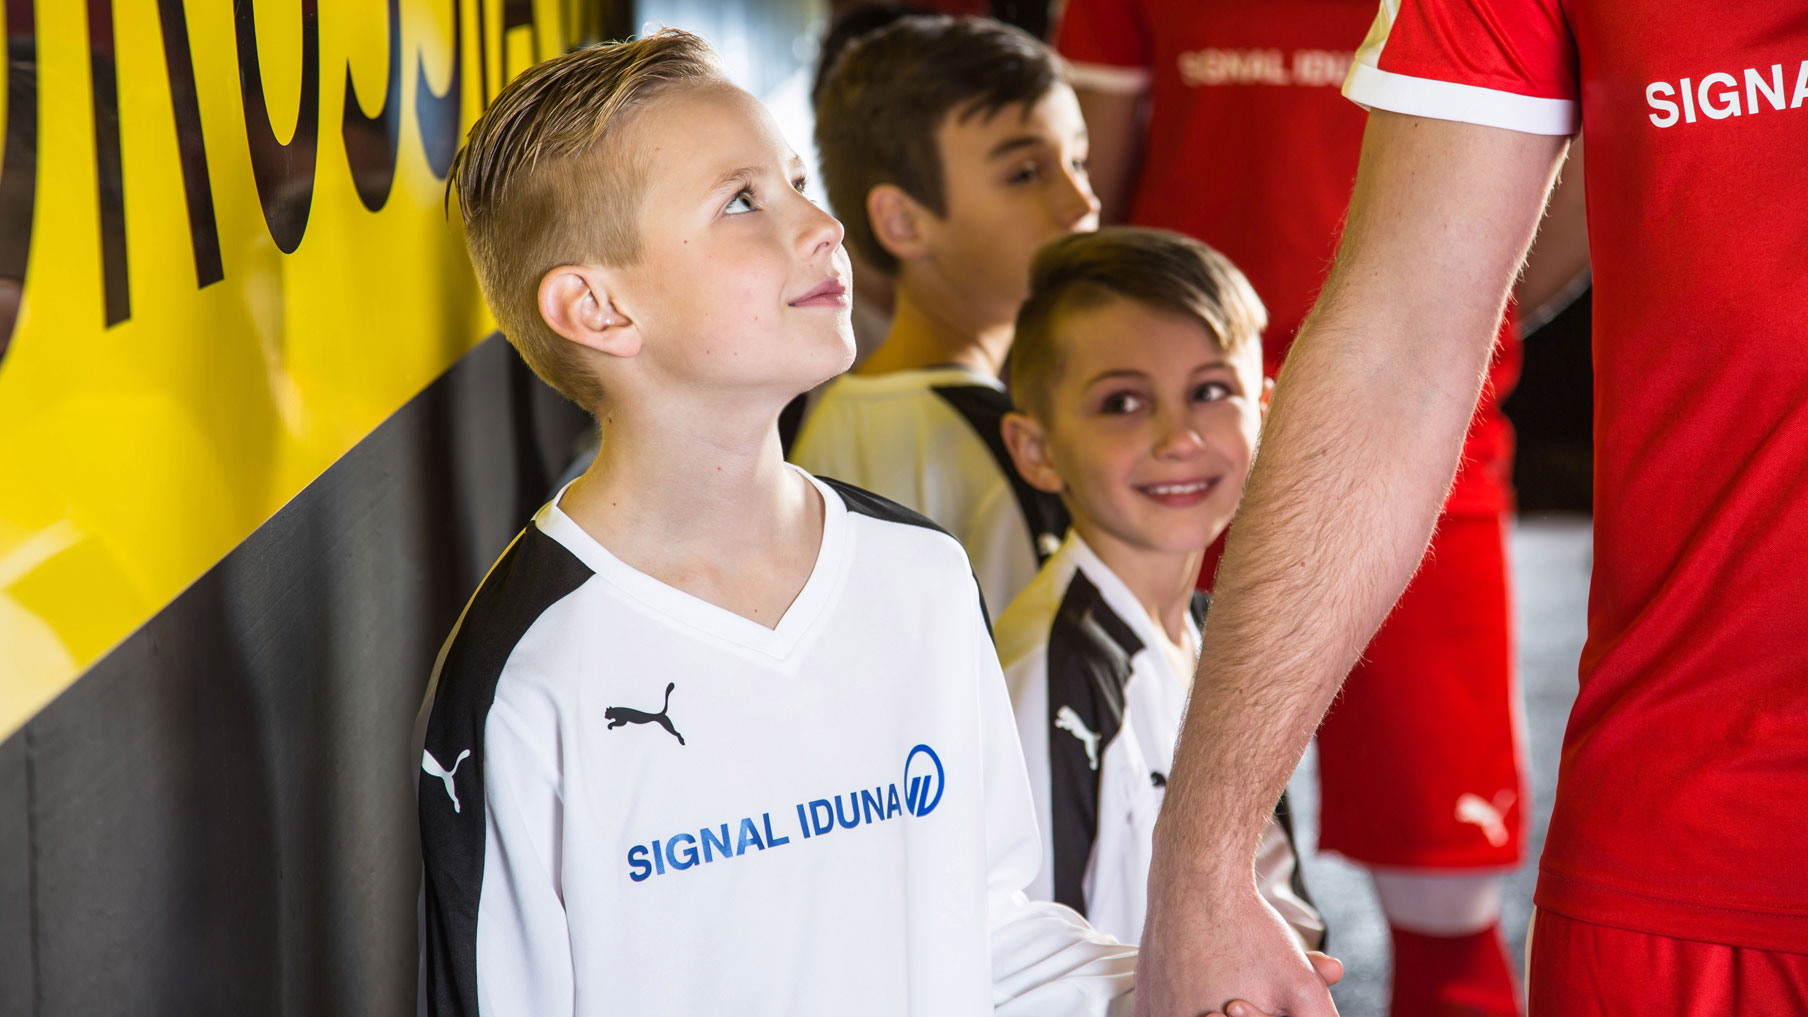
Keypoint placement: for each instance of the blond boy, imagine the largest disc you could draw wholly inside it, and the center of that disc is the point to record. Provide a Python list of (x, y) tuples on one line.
[(713, 736)]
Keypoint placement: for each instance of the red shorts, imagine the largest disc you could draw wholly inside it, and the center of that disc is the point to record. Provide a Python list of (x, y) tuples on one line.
[(1584, 970), (1420, 755)]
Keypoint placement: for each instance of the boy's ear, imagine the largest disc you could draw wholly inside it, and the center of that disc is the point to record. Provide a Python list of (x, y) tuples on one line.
[(1029, 450), (575, 303), (897, 221)]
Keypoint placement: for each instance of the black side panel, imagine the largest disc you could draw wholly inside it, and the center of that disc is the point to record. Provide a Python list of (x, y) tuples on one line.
[(219, 817), (1089, 651), (536, 573), (984, 408)]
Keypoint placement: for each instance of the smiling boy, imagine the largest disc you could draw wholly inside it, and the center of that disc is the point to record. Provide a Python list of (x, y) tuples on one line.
[(1138, 377), (953, 148), (692, 748)]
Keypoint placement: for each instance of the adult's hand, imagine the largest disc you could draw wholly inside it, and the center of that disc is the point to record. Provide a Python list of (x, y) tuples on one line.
[(1369, 416), (1189, 953)]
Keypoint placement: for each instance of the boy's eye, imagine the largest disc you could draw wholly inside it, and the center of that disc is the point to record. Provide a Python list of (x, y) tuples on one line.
[(743, 202), (1082, 167), (1211, 391), (1026, 173), (1120, 403), (802, 185)]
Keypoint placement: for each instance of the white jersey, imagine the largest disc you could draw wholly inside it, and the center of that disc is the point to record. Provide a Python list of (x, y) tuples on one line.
[(929, 439), (636, 802), (1099, 701)]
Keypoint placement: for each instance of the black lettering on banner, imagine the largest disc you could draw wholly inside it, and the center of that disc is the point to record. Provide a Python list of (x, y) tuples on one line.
[(284, 172), (18, 159), (438, 112), (371, 142), (115, 281), (203, 231)]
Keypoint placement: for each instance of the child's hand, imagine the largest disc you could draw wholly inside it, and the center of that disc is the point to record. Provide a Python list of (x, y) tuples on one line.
[(1328, 967)]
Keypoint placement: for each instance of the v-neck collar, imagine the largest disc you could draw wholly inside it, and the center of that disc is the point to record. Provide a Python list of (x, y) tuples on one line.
[(712, 621), (1123, 603)]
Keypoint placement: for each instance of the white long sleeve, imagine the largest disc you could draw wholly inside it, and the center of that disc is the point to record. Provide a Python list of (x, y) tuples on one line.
[(1045, 959)]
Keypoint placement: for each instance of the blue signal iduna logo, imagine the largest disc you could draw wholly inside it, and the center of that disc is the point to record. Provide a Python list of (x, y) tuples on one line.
[(923, 781), (922, 787)]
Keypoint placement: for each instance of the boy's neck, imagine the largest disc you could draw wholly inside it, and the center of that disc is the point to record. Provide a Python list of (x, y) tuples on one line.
[(931, 330), (713, 511), (1162, 582)]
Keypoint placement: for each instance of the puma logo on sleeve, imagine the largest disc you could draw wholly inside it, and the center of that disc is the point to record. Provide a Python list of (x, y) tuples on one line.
[(1067, 720), (619, 716), (431, 765)]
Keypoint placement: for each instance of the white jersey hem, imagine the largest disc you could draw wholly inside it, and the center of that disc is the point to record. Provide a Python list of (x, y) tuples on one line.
[(1373, 88)]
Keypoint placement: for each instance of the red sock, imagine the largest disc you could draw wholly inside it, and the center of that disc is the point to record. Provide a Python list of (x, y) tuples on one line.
[(1453, 976)]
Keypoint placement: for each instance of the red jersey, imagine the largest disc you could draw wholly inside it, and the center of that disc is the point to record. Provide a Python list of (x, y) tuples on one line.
[(1682, 803), (1251, 149)]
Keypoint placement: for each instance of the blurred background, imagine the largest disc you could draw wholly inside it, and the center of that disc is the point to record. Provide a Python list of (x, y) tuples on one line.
[(260, 442)]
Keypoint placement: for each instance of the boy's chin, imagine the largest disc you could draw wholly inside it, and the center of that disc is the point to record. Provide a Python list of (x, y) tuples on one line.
[(838, 359), (820, 370), (1184, 540)]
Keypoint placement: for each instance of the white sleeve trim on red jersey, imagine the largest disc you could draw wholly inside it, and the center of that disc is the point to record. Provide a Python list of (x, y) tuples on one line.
[(1109, 79), (1373, 88)]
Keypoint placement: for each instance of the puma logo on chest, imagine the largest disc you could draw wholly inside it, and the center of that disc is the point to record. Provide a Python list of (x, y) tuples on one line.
[(619, 716)]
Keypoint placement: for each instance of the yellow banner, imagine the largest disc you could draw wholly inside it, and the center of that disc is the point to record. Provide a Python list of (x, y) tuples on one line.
[(229, 222)]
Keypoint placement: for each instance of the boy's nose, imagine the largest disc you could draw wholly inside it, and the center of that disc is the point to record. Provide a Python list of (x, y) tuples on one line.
[(1177, 438), (821, 231), (1080, 209)]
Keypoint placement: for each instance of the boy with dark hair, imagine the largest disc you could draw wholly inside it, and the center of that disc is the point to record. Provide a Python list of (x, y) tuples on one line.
[(953, 148), (713, 736), (1138, 380)]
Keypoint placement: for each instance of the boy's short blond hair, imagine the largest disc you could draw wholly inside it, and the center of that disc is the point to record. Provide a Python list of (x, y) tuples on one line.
[(1159, 269), (543, 181)]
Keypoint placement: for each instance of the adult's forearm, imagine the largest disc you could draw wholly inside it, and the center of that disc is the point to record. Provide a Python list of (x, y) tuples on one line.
[(1358, 454)]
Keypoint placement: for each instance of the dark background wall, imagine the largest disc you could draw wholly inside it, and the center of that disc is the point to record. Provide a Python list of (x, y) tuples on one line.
[(218, 818)]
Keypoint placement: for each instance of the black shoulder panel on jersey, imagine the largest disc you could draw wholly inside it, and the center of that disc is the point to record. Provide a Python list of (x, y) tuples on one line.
[(532, 575), (983, 408), (1198, 606), (1089, 652), (866, 503), (863, 502)]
